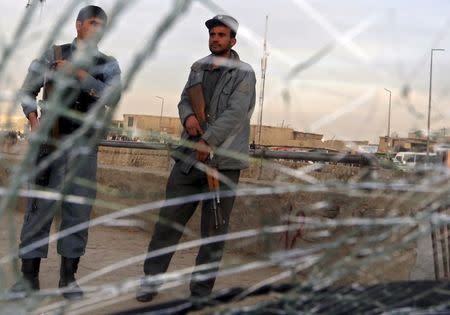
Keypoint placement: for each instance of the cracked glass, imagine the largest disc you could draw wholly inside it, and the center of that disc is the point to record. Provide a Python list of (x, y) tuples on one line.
[(343, 209)]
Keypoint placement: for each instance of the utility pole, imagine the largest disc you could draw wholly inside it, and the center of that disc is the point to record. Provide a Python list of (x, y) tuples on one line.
[(263, 81), (162, 108), (389, 114), (429, 102), (389, 124)]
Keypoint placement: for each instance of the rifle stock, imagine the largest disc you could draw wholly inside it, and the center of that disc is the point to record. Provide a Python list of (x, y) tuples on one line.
[(197, 100)]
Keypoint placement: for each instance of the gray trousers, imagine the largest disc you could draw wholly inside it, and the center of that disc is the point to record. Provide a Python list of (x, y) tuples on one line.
[(165, 234), (74, 173)]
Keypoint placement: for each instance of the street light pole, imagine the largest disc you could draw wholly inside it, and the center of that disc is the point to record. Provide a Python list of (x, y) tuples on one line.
[(389, 122), (162, 108), (389, 115), (429, 101), (263, 82)]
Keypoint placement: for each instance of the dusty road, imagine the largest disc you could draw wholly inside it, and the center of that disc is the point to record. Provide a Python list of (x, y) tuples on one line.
[(108, 245)]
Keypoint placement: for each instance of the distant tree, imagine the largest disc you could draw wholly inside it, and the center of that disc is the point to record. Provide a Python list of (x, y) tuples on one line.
[(417, 133)]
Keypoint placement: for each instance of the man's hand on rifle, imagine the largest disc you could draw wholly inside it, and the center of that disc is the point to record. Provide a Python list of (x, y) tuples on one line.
[(202, 150), (68, 68), (34, 121), (192, 126)]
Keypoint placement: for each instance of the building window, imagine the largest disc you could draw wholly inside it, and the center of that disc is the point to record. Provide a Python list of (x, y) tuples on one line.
[(130, 121)]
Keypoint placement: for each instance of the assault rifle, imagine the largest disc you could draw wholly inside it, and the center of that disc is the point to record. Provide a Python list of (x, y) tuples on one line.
[(197, 100)]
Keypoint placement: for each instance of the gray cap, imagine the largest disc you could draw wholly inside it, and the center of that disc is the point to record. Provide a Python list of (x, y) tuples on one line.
[(223, 19)]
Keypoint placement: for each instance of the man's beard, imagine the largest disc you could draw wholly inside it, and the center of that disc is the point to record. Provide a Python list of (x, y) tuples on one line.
[(221, 51)]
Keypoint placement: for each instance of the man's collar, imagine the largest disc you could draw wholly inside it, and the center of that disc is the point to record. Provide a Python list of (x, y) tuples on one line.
[(231, 62), (74, 46)]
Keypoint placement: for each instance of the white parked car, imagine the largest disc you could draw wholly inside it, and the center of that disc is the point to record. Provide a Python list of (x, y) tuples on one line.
[(412, 159)]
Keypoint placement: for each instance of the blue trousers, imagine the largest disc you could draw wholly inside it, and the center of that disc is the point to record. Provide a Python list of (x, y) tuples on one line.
[(73, 173)]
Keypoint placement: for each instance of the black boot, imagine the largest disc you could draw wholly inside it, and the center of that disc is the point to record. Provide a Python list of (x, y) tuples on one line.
[(30, 280), (147, 291), (67, 280)]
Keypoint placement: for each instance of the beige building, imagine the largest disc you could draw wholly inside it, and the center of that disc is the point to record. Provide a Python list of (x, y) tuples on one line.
[(13, 123), (149, 126), (143, 126), (117, 124), (285, 137), (288, 137), (394, 145)]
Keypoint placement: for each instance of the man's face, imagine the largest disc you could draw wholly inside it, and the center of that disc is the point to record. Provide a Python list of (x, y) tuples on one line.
[(220, 41), (89, 28)]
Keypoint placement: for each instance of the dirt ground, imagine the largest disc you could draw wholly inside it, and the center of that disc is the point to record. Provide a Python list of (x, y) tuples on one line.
[(108, 245)]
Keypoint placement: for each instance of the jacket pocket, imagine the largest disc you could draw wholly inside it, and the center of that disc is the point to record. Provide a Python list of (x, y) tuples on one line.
[(224, 97), (227, 88)]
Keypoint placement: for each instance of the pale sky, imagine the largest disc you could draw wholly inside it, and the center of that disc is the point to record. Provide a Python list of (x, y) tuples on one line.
[(378, 44)]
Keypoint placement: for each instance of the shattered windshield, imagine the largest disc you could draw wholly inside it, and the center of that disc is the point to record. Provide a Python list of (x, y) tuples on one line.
[(138, 177)]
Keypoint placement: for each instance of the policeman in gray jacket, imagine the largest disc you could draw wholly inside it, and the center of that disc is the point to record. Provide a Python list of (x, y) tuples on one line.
[(222, 141), (80, 89)]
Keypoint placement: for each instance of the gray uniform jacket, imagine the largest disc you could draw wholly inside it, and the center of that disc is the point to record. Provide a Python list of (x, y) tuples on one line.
[(229, 112), (39, 68)]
